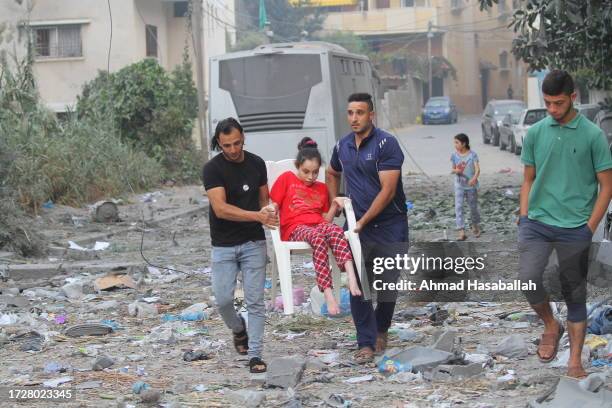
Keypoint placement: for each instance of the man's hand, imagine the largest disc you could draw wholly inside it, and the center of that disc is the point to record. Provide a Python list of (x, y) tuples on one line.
[(339, 202), (358, 227), (268, 216), (591, 227)]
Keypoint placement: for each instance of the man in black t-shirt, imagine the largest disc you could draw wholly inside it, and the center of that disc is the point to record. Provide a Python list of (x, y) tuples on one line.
[(237, 187)]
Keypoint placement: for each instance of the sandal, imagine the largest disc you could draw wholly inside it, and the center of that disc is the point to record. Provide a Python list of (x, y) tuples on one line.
[(241, 340), (257, 366), (550, 341), (381, 343), (364, 355)]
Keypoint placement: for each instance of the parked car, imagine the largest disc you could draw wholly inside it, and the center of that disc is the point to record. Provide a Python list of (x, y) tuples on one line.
[(494, 114), (589, 110), (604, 121), (513, 135), (439, 109)]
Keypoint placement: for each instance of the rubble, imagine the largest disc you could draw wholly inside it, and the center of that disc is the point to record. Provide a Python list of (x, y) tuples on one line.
[(285, 372), (568, 393), (422, 358), (512, 347)]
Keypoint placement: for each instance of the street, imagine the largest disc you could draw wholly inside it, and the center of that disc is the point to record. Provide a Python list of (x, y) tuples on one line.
[(430, 147)]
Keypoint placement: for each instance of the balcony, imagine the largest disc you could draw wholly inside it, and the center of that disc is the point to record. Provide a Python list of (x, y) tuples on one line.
[(396, 20)]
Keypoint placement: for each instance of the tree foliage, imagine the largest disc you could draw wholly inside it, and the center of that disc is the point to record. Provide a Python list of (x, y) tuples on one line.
[(288, 22), (150, 109), (566, 34)]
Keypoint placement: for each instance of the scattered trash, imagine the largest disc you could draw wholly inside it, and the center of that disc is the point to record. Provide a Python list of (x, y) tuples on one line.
[(508, 193), (195, 356), (56, 382), (140, 386), (390, 366), (48, 205), (61, 319), (325, 356), (563, 358), (308, 265), (150, 396), (268, 284), (357, 380), (105, 212), (594, 341), (111, 323), (88, 329), (422, 358), (601, 320), (406, 377), (54, 367), (140, 309), (114, 282), (98, 246), (73, 290)]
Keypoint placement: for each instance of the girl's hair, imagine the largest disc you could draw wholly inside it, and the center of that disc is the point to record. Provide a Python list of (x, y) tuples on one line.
[(463, 139), (307, 150)]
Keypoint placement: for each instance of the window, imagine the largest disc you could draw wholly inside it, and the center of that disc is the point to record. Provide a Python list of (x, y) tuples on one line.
[(151, 40), (345, 67), (181, 8), (62, 41), (503, 60), (358, 67), (407, 3)]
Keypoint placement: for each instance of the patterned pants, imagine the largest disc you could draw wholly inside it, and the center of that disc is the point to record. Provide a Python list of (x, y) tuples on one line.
[(472, 199), (321, 237)]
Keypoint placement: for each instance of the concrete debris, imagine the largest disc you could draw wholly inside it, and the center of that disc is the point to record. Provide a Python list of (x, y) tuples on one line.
[(105, 212), (593, 382), (512, 347), (444, 340), (455, 372), (73, 290), (285, 372), (142, 310), (88, 329), (406, 377), (568, 393), (15, 301), (248, 398), (102, 362), (357, 380), (56, 382), (150, 396), (422, 358)]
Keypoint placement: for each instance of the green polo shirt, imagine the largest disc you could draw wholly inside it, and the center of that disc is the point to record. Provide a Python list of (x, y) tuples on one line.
[(567, 159)]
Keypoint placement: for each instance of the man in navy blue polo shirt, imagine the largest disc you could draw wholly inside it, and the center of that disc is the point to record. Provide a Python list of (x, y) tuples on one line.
[(371, 161)]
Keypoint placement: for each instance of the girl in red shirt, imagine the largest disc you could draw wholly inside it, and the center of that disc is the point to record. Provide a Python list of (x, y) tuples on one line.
[(305, 215)]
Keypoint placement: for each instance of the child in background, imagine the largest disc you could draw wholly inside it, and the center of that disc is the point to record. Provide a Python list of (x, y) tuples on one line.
[(466, 170), (306, 215)]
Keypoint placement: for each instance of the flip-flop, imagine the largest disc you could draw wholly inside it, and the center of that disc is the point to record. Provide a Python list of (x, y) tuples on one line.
[(254, 362), (550, 340), (364, 355)]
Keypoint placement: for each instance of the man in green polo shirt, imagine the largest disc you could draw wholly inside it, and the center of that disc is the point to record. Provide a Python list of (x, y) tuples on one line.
[(566, 191)]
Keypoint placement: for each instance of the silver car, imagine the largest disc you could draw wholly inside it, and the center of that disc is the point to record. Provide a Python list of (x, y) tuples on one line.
[(528, 118)]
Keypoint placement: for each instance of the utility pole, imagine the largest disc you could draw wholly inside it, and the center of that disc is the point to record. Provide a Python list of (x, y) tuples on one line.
[(429, 76), (197, 20)]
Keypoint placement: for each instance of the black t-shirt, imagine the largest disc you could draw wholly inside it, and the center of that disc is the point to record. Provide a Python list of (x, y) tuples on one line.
[(241, 182)]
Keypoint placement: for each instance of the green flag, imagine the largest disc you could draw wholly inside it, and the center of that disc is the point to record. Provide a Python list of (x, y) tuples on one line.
[(263, 18)]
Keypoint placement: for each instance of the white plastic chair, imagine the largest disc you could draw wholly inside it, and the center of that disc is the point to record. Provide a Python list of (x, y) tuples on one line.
[(281, 262)]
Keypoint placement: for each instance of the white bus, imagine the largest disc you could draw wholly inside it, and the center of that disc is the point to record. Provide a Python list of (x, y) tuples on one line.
[(283, 92)]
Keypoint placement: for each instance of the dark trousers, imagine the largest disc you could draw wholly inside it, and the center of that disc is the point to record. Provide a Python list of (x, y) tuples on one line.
[(378, 240), (537, 240)]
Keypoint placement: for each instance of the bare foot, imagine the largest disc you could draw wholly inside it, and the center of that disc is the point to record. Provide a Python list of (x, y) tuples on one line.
[(576, 372), (476, 231), (332, 305), (461, 236)]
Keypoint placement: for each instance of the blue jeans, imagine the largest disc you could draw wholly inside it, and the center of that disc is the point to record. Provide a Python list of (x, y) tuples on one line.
[(472, 198), (250, 258), (378, 240)]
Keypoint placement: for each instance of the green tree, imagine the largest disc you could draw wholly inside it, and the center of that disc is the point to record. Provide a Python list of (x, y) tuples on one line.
[(288, 22), (569, 34)]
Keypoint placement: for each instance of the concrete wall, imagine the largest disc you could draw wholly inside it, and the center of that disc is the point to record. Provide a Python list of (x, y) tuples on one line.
[(400, 108), (60, 80)]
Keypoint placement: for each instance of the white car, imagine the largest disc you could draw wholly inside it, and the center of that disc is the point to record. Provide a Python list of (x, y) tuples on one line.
[(528, 118)]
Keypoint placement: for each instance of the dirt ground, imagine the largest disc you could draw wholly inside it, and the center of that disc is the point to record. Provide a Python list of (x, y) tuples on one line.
[(170, 229)]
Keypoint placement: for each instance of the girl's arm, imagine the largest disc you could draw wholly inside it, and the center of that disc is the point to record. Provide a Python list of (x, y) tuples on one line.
[(474, 179), (335, 205)]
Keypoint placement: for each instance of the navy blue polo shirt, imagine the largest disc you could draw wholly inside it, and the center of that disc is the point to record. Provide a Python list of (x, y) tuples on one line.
[(379, 151)]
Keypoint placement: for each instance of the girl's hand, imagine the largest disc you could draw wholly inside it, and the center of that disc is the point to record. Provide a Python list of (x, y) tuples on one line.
[(473, 182)]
